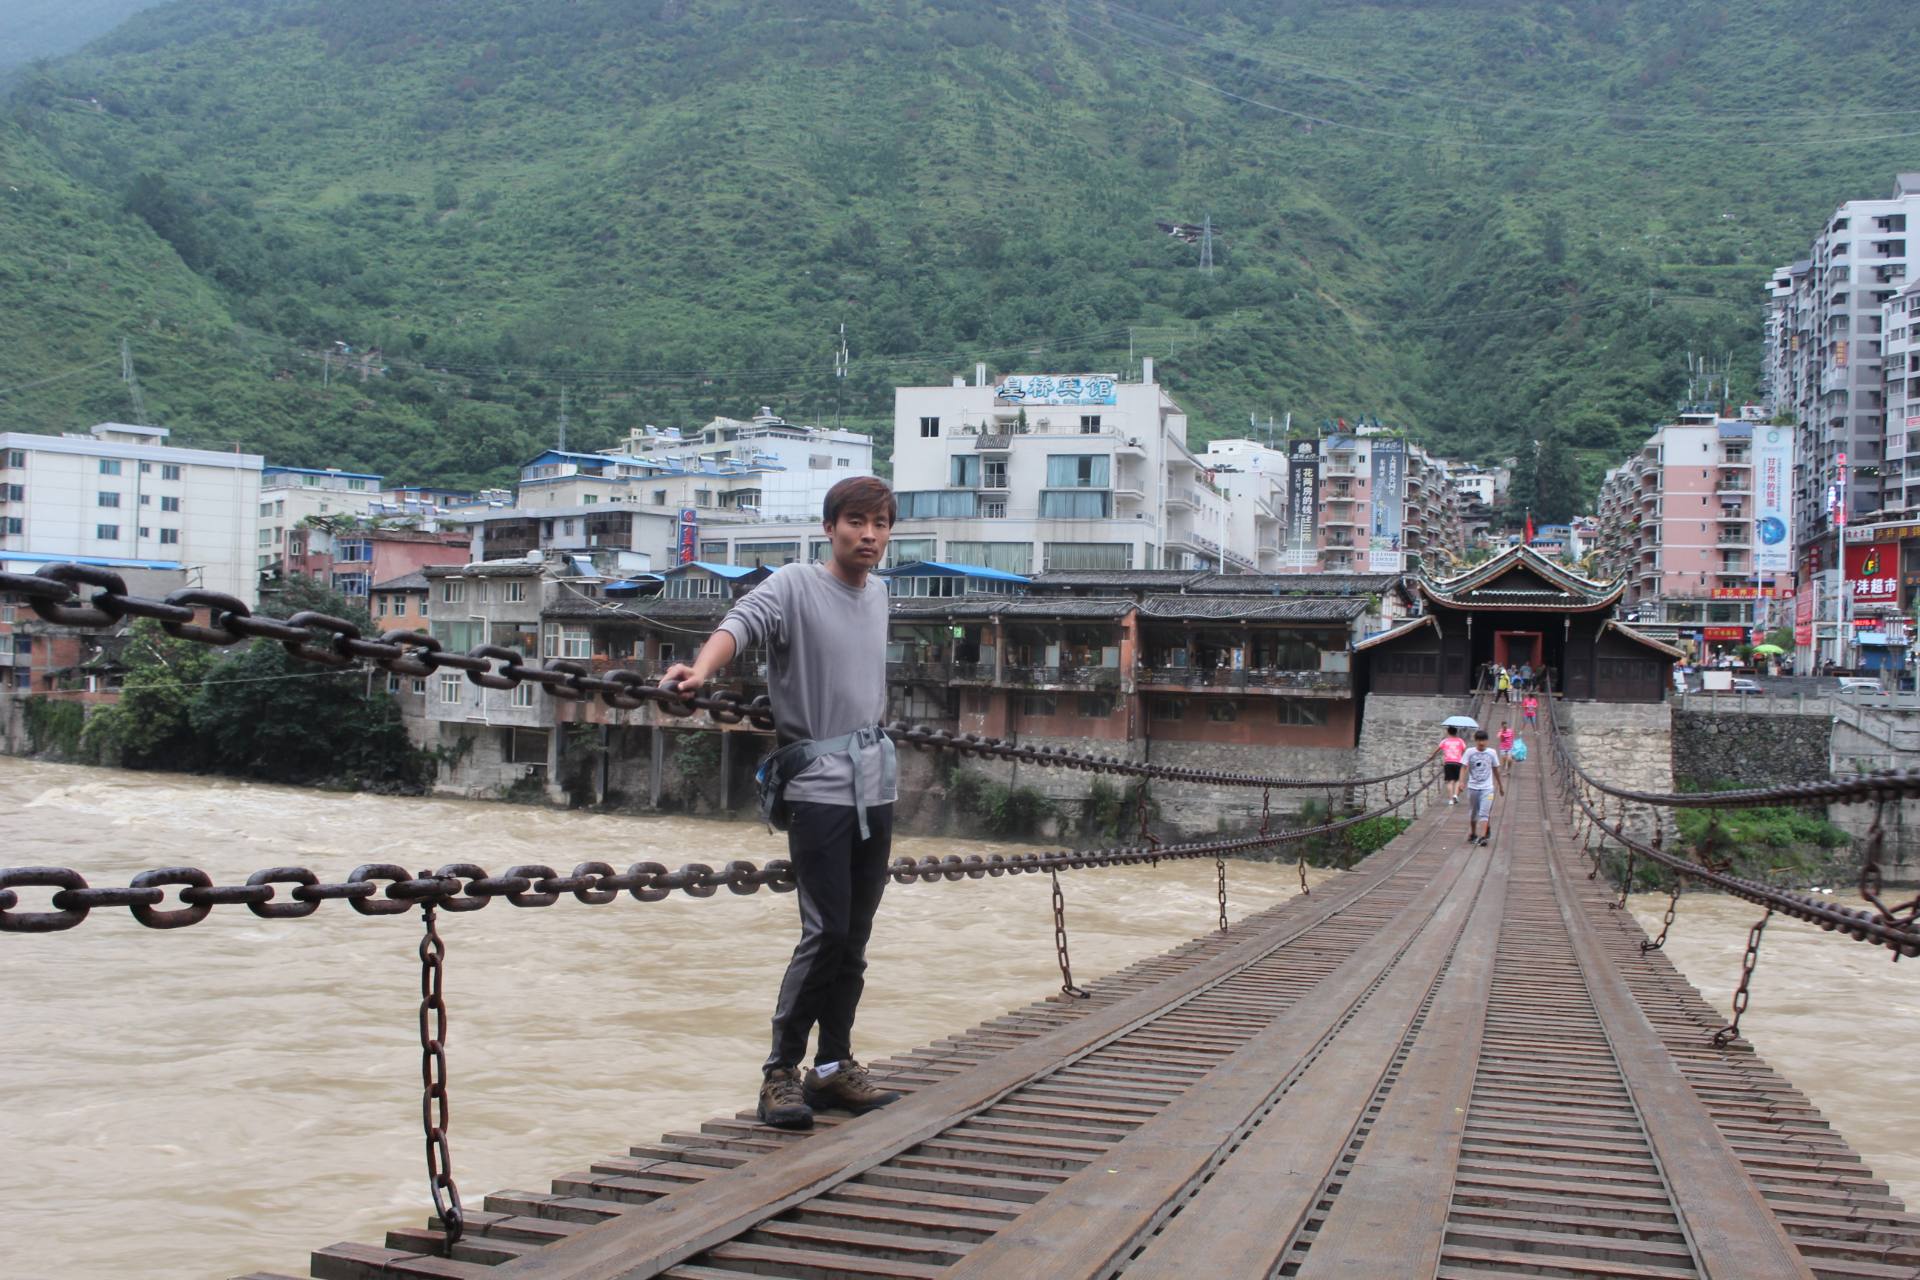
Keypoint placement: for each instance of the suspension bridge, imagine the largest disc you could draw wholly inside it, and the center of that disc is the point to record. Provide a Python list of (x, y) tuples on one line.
[(1450, 1061)]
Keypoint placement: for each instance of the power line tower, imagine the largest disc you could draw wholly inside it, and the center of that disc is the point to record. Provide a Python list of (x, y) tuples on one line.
[(1206, 243), (839, 373), (133, 385)]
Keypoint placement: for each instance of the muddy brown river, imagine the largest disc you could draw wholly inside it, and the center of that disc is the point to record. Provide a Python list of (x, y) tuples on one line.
[(224, 1098)]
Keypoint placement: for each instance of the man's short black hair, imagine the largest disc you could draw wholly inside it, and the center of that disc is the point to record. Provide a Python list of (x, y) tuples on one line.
[(1480, 735)]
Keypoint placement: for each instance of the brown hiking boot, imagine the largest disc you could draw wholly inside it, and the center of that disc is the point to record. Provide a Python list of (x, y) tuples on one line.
[(845, 1086), (783, 1104)]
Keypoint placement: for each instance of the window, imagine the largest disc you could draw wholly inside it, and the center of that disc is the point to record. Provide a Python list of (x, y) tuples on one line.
[(1078, 470), (1089, 423), (452, 591), (1038, 704), (589, 499), (420, 687), (480, 592), (929, 428), (145, 532), (568, 642), (393, 684), (772, 554), (1008, 557), (109, 466), (963, 471), (993, 473), (993, 509), (266, 537), (843, 462), (356, 484), (522, 695), (1096, 706), (1223, 711), (169, 537), (1167, 708), (703, 497), (1056, 505), (355, 551), (146, 499), (1088, 555), (819, 462), (450, 682), (935, 504), (909, 551), (659, 497), (107, 499), (527, 746), (16, 457), (13, 492), (1301, 711), (107, 532), (516, 592), (380, 607), (168, 504), (145, 467), (12, 524)]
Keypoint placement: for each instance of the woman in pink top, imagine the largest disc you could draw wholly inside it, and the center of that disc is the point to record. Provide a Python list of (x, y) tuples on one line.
[(1505, 740), (1452, 748), (1530, 708)]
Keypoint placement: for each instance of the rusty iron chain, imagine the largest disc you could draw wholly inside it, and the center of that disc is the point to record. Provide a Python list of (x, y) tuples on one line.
[(1220, 867), (385, 889), (1904, 913), (1875, 926), (1743, 993), (53, 593), (1666, 922), (434, 1103), (1067, 987)]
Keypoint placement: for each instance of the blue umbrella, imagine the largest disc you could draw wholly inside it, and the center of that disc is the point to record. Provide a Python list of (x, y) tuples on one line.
[(1460, 722)]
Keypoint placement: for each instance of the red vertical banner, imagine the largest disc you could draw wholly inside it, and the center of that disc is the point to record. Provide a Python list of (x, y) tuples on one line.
[(1803, 618)]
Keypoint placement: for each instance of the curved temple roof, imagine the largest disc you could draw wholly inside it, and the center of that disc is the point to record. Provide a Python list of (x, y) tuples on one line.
[(1520, 578)]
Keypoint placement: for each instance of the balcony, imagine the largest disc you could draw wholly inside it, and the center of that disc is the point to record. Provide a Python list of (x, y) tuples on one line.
[(1310, 683), (991, 442), (917, 671), (972, 673)]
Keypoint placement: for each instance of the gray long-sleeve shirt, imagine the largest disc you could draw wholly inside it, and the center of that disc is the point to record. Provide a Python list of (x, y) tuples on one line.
[(826, 646)]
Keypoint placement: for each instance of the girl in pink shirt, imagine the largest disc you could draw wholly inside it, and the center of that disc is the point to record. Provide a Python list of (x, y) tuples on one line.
[(1506, 739), (1530, 708), (1453, 748)]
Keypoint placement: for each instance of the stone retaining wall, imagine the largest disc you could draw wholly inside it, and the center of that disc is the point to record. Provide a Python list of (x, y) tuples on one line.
[(1712, 747)]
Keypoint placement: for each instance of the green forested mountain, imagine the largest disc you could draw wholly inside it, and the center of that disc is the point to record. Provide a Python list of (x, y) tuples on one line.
[(1485, 219)]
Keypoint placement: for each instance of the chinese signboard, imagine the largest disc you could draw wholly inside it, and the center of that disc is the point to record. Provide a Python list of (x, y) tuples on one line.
[(1773, 494), (1389, 505), (1873, 573), (689, 535), (1722, 635), (1752, 593), (1803, 618), (1303, 503), (1045, 388)]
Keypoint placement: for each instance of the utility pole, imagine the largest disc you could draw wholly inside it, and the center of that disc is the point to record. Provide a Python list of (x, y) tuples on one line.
[(133, 385), (839, 373)]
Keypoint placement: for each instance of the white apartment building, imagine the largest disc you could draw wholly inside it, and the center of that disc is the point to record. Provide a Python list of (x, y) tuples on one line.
[(289, 495), (1826, 358), (120, 493), (1253, 476), (1901, 358), (1055, 471), (796, 464)]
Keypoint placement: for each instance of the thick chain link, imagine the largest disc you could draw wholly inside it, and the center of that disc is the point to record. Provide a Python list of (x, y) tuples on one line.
[(434, 1108), (1743, 992), (1067, 987), (1220, 867), (1666, 923)]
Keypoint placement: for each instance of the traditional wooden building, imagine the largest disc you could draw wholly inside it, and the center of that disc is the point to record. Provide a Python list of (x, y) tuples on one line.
[(1518, 607)]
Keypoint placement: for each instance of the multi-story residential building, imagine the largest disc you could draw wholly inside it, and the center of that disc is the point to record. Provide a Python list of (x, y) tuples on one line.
[(1901, 363), (796, 464), (1677, 521), (1053, 471), (624, 538), (1253, 476), (350, 556), (400, 604), (1825, 371), (291, 495), (1386, 506), (119, 495)]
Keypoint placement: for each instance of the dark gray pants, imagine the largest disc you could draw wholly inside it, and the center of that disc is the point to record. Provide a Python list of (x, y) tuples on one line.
[(841, 878)]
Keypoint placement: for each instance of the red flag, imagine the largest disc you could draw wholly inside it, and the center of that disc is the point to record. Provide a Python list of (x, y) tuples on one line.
[(1529, 537)]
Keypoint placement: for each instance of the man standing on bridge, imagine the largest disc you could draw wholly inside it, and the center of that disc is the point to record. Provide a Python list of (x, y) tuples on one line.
[(1483, 776), (832, 780)]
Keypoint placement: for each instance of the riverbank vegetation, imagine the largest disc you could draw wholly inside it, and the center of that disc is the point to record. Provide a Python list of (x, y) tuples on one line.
[(252, 711), (1790, 847)]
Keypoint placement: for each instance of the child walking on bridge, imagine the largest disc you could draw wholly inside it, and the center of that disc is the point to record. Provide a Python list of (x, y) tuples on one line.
[(1483, 778)]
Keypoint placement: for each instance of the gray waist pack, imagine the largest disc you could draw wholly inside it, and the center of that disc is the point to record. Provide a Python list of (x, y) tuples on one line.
[(789, 762)]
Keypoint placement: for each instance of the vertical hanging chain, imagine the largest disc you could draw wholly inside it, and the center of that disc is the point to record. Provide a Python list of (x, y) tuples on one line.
[(1147, 837), (1673, 905), (1266, 811), (1060, 942), (1741, 993), (433, 1076), (1220, 866)]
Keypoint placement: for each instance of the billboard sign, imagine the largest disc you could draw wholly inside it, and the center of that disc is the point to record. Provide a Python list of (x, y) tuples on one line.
[(689, 535), (1389, 506), (1303, 503), (1046, 388), (1873, 573), (1773, 500), (1803, 618)]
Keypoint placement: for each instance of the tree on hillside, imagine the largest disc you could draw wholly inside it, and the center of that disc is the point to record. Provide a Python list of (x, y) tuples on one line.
[(1556, 481), (150, 726)]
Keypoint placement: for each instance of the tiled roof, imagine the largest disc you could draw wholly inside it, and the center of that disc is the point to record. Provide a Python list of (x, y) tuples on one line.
[(1137, 579), (415, 581), (1295, 584), (1012, 607), (1254, 608), (1405, 628), (654, 607), (488, 569), (1639, 637)]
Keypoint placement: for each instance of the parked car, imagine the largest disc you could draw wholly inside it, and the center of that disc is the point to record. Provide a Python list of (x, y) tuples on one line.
[(1746, 684), (1861, 686)]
